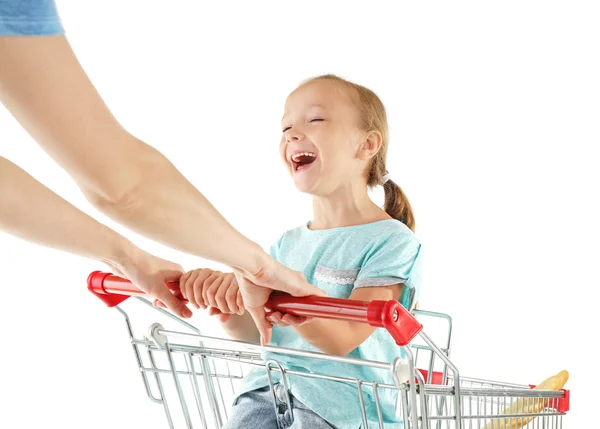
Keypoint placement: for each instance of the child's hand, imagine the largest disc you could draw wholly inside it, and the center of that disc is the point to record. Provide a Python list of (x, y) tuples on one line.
[(276, 318), (207, 288), (223, 317)]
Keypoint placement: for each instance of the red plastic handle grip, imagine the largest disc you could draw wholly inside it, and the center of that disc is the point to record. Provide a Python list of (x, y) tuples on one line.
[(113, 290), (382, 314), (390, 315)]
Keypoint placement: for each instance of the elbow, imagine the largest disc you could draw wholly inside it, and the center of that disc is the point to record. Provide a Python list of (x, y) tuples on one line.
[(117, 202), (337, 349), (345, 350), (337, 338), (125, 191)]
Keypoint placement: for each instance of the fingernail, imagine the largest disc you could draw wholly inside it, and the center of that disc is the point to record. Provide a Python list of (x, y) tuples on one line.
[(196, 306)]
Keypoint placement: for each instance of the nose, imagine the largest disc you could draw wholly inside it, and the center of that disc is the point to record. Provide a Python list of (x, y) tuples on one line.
[(294, 135)]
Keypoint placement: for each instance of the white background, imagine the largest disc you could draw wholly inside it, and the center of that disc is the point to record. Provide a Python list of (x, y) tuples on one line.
[(493, 111)]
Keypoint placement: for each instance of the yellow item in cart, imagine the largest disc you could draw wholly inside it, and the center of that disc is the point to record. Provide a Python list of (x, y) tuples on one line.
[(529, 405)]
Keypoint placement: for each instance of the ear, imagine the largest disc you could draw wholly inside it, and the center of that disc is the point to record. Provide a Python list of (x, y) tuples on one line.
[(370, 145)]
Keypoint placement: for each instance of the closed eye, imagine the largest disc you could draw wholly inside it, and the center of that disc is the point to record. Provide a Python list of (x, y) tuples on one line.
[(286, 129), (316, 120)]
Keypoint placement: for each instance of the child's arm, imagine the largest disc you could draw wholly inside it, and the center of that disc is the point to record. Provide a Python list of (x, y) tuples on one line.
[(241, 328), (334, 336), (220, 293)]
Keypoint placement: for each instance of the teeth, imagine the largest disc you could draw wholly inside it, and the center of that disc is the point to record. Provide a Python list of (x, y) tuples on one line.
[(298, 155)]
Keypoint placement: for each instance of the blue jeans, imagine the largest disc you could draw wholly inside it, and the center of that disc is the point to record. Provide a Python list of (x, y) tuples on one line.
[(255, 410)]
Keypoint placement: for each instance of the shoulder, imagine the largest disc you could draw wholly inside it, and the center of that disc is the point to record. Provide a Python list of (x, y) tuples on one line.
[(288, 236), (392, 233)]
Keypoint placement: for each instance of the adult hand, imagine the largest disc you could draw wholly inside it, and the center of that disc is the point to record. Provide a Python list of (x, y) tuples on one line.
[(151, 274), (257, 287)]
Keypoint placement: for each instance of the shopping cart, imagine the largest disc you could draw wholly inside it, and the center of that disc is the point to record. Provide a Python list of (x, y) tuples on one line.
[(202, 373)]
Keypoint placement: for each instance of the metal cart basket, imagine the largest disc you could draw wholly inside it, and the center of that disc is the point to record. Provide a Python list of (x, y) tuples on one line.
[(194, 377)]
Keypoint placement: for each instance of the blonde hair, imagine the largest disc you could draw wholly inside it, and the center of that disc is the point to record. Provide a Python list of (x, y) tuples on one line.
[(373, 118)]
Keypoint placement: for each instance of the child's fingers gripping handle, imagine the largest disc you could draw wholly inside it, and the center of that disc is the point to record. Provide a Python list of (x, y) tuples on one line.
[(113, 290), (382, 314)]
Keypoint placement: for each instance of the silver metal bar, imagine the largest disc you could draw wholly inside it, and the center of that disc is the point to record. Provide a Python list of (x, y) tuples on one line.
[(448, 319), (198, 333), (180, 372), (492, 383), (448, 345), (361, 401), (422, 347), (442, 403), (478, 412), (493, 417), (288, 371), (204, 364), (138, 357), (210, 391), (169, 315), (290, 352), (422, 397), (230, 377), (447, 406), (220, 391), (470, 412), (378, 406), (189, 359), (404, 396), (412, 389), (176, 348), (434, 389), (161, 390), (201, 350), (186, 414), (431, 363), (444, 358)]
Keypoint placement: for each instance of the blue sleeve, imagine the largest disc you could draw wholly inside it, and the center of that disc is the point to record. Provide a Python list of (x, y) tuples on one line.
[(29, 18), (394, 260), (274, 249)]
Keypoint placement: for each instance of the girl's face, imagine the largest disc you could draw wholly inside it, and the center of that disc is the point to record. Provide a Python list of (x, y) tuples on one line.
[(321, 138)]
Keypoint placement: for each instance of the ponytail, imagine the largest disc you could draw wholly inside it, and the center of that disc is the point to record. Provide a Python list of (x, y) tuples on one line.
[(397, 205)]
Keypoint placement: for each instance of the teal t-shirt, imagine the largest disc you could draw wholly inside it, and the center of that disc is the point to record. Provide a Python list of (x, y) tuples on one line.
[(340, 260), (29, 18)]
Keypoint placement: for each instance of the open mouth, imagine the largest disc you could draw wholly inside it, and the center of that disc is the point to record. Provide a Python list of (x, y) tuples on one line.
[(302, 160)]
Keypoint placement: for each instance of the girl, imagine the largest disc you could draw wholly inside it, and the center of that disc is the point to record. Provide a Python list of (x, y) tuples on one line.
[(334, 144)]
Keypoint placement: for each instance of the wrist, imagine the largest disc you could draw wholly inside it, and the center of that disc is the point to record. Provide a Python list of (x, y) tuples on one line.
[(118, 252), (253, 260)]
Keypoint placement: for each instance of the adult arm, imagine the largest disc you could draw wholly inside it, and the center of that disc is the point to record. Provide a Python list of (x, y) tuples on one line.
[(32, 212), (48, 92)]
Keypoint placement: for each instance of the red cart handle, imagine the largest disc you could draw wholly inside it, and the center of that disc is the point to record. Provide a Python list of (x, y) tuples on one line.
[(391, 315)]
